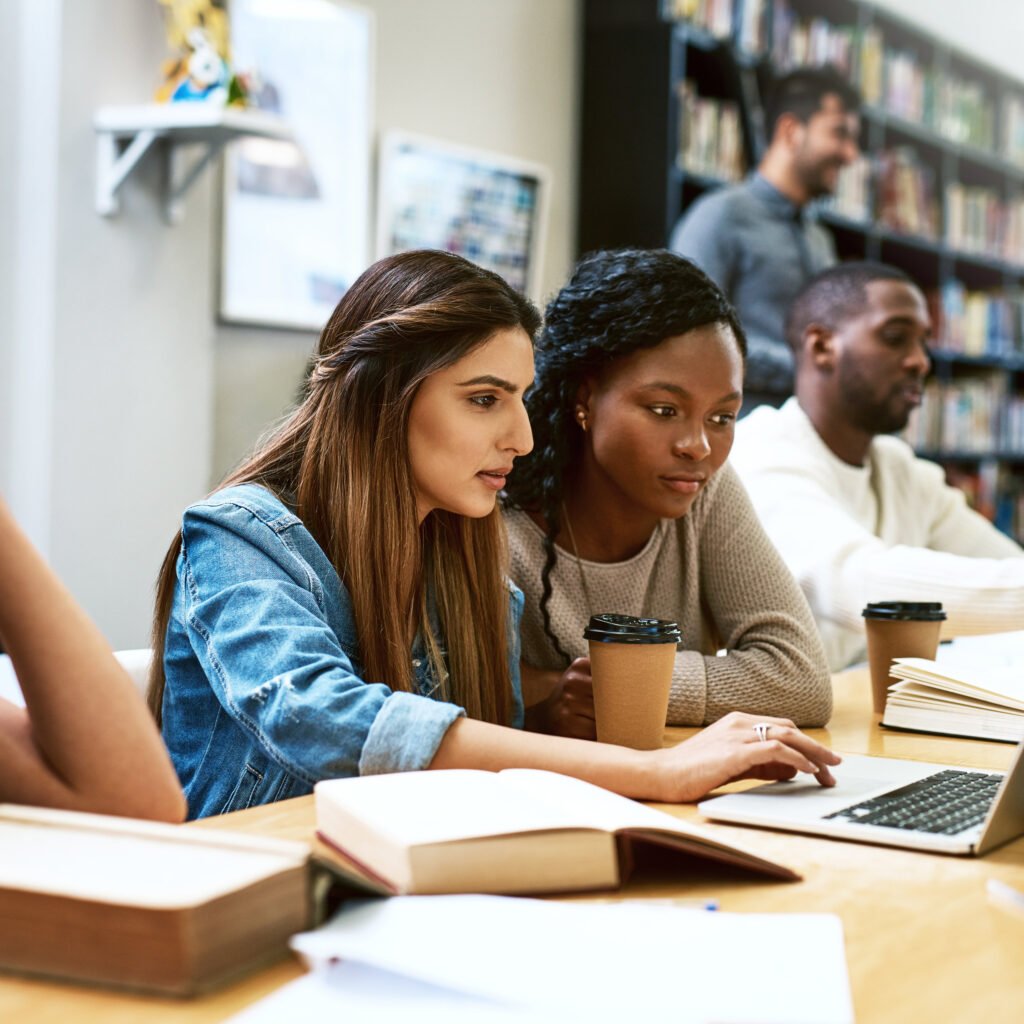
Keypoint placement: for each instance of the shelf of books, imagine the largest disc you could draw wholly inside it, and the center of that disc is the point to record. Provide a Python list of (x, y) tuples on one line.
[(671, 108)]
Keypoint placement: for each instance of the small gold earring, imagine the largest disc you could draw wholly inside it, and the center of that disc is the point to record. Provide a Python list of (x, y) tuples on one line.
[(581, 418)]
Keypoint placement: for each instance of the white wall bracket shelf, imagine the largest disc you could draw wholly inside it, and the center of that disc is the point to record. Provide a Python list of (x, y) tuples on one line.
[(125, 134)]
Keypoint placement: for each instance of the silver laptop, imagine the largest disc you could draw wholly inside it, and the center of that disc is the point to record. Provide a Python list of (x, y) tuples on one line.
[(937, 807)]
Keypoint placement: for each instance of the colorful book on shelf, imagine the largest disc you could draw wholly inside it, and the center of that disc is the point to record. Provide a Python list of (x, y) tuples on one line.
[(815, 40), (979, 701), (514, 832), (751, 31), (907, 200), (853, 190), (710, 142), (871, 65), (714, 16), (979, 323), (133, 904), (1012, 134)]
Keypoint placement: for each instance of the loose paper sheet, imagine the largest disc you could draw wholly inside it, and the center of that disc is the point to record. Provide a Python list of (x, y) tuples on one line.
[(354, 992), (601, 959), (995, 652)]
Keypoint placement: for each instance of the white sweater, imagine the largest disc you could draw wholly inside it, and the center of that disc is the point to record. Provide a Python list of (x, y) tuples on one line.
[(888, 530)]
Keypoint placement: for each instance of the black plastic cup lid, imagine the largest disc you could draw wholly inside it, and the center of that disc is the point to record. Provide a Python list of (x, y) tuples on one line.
[(626, 629), (905, 611)]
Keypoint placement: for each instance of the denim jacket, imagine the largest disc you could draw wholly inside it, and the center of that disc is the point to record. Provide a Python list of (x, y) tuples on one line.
[(265, 694)]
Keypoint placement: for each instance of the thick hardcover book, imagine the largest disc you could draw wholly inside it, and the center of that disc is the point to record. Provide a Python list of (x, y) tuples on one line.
[(141, 905), (956, 700), (517, 831)]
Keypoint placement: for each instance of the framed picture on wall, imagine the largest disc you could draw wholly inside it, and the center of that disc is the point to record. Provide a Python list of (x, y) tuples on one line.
[(490, 208), (296, 214)]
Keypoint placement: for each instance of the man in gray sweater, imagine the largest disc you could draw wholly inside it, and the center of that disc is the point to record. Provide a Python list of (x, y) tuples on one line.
[(757, 239)]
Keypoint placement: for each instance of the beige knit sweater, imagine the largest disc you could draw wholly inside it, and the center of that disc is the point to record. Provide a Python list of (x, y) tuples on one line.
[(715, 572)]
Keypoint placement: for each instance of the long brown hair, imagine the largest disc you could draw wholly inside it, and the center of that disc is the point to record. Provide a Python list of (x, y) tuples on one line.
[(341, 460)]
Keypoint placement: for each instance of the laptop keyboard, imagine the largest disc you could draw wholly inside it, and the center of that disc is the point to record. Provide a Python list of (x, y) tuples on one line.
[(945, 803)]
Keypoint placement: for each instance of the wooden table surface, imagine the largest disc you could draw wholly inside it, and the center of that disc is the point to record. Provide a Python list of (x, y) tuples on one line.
[(923, 943)]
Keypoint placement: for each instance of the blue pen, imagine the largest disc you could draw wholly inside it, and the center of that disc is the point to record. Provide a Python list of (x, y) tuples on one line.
[(685, 902), (696, 904)]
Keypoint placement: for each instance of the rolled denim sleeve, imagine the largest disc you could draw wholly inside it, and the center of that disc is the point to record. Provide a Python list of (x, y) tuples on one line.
[(405, 735), (257, 620)]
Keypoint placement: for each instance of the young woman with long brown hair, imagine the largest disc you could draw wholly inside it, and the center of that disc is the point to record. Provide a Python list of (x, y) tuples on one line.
[(341, 606)]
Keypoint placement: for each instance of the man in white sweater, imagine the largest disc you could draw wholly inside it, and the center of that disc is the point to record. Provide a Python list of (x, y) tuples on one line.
[(855, 514)]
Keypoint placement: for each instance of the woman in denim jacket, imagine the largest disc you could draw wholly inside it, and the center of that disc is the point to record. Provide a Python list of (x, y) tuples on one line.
[(341, 605)]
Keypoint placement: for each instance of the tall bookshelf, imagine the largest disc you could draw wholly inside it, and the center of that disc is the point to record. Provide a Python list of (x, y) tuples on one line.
[(671, 108)]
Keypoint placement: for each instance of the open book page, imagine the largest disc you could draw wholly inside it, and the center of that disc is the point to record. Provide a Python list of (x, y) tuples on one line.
[(600, 961), (910, 694), (582, 805), (1001, 686), (127, 863), (420, 808)]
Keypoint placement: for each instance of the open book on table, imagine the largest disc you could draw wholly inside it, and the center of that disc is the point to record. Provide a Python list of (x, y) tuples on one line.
[(514, 832), (957, 699)]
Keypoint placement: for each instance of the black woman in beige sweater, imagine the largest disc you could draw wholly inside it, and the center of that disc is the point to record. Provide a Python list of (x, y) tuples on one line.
[(627, 503)]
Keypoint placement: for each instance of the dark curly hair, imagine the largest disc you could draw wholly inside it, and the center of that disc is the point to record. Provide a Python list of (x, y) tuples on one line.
[(615, 303)]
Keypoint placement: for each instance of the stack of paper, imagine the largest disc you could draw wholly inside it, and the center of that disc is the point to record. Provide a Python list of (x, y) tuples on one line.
[(492, 957)]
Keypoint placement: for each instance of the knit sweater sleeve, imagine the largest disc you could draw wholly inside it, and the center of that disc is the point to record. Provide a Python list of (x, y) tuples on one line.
[(774, 662)]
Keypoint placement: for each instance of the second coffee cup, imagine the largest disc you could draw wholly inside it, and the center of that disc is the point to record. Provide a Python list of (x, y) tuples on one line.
[(898, 629), (631, 661)]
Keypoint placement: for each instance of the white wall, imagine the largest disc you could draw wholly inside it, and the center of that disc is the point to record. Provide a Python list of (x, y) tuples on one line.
[(9, 25), (133, 339), (991, 30), (495, 74), (118, 315)]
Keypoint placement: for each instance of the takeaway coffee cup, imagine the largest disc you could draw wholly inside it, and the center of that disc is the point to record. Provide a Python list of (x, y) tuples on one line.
[(899, 629), (631, 666)]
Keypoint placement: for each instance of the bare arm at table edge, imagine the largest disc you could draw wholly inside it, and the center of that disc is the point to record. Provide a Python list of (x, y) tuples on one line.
[(87, 741)]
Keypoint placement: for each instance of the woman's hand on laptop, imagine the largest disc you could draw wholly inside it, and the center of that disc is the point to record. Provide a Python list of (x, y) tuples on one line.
[(740, 746)]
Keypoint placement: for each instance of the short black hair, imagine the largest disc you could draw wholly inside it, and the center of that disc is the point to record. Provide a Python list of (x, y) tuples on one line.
[(801, 93), (837, 295)]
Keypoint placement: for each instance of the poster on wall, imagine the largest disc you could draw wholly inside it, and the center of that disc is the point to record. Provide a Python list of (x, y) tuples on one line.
[(296, 214), (492, 209)]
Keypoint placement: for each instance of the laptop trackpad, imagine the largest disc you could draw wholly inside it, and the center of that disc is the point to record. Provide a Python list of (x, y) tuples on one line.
[(804, 800)]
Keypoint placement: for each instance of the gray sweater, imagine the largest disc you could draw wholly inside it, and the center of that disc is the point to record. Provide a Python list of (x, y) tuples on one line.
[(716, 573)]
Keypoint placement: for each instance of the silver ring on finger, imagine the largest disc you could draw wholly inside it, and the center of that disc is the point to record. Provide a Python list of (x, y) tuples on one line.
[(762, 731)]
